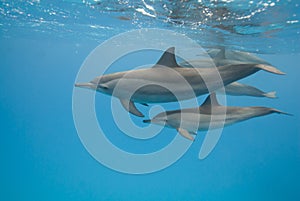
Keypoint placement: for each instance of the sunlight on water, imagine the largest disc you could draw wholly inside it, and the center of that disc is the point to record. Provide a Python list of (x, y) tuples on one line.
[(254, 26)]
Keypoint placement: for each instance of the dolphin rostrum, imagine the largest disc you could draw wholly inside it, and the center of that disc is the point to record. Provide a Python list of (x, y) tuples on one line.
[(222, 57), (166, 81), (210, 115)]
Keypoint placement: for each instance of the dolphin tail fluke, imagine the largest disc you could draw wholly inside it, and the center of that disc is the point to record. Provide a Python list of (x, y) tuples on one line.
[(280, 112), (270, 69), (271, 94), (130, 107), (185, 133)]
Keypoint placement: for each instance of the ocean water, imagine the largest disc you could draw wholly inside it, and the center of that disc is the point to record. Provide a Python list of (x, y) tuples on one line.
[(45, 43)]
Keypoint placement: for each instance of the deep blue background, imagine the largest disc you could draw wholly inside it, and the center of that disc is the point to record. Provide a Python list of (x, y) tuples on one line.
[(42, 157)]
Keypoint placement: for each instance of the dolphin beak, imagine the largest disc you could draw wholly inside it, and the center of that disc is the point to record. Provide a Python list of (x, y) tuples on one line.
[(86, 85), (147, 121)]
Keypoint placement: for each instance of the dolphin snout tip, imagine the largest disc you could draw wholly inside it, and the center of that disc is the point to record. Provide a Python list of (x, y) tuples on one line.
[(84, 85), (81, 84)]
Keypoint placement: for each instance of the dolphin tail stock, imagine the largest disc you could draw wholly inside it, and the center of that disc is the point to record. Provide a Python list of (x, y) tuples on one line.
[(269, 68), (130, 107), (271, 94)]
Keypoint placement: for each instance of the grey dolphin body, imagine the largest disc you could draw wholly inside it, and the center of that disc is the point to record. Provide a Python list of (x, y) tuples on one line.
[(209, 115), (222, 57), (239, 89), (166, 81)]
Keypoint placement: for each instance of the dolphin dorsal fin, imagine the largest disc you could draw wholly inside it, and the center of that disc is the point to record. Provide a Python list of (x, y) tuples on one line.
[(167, 59), (221, 54), (211, 100)]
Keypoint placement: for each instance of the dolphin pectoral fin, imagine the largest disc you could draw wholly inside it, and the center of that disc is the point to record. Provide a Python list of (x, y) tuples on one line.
[(130, 107), (185, 133)]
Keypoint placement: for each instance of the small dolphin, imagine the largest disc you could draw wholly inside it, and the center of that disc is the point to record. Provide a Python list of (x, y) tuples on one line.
[(209, 115), (239, 89), (224, 56), (227, 57), (166, 81)]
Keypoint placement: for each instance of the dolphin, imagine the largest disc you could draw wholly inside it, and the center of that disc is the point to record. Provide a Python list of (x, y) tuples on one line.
[(239, 89), (210, 115), (223, 57), (167, 81), (226, 57)]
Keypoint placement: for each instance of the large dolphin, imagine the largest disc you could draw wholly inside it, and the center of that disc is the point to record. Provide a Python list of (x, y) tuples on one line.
[(210, 115), (222, 57), (166, 81)]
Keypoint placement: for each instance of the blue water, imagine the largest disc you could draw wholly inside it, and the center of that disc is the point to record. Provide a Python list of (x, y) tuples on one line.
[(43, 45)]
